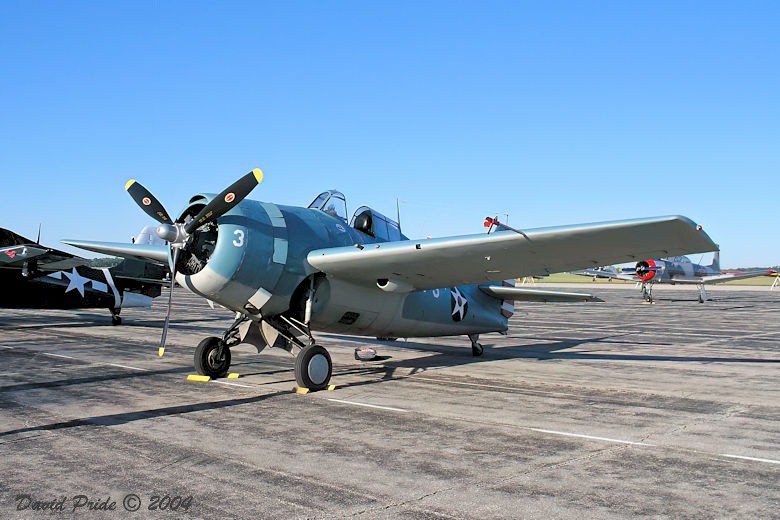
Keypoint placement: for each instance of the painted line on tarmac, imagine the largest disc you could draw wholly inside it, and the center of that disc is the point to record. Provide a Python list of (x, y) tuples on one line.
[(233, 384), (3, 346), (753, 459), (57, 355), (390, 408), (128, 367), (591, 437)]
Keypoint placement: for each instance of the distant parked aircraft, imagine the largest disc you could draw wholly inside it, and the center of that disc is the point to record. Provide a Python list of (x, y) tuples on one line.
[(674, 270), (33, 276)]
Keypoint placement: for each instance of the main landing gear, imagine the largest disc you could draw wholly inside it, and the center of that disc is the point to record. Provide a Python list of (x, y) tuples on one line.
[(702, 293), (647, 292), (476, 348), (115, 319), (212, 358), (313, 366)]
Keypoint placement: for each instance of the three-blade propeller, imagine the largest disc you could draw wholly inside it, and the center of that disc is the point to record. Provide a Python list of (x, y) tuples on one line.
[(177, 234)]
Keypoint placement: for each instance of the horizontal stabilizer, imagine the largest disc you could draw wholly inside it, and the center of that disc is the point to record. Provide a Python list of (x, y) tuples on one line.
[(536, 295), (144, 252)]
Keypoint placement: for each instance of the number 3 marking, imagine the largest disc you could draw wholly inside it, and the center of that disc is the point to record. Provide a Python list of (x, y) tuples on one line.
[(238, 242)]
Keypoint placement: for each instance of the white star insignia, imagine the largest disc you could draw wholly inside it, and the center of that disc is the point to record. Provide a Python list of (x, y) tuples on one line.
[(76, 282), (459, 305)]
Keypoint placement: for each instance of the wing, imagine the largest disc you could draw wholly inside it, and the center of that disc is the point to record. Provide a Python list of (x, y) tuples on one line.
[(536, 295), (606, 274), (16, 251), (144, 252), (471, 259), (720, 278)]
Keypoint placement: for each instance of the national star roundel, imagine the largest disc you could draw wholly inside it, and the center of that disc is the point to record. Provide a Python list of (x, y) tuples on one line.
[(230, 197), (459, 304), (147, 201)]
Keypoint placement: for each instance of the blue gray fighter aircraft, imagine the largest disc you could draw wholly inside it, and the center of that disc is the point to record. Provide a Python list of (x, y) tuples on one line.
[(33, 276), (674, 270), (289, 271)]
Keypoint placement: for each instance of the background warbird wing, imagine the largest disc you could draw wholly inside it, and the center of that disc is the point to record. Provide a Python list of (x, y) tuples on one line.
[(16, 251), (607, 274), (472, 259), (720, 278)]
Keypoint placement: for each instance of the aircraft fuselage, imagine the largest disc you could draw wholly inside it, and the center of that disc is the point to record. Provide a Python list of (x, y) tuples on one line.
[(259, 264)]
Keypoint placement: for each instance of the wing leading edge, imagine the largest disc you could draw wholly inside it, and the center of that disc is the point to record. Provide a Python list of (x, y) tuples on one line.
[(471, 259), (145, 252)]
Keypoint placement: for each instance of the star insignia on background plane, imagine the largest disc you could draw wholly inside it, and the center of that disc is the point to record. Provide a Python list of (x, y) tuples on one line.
[(76, 282)]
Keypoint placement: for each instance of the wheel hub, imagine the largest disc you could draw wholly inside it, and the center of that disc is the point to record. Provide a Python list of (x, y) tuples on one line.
[(318, 369), (215, 362)]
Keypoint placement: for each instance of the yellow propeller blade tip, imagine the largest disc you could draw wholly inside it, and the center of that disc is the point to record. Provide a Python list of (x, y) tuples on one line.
[(160, 352), (258, 175), (129, 183)]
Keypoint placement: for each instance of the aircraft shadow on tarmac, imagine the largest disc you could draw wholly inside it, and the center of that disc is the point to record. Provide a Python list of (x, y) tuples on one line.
[(56, 383), (444, 356), (85, 320), (127, 417), (449, 356)]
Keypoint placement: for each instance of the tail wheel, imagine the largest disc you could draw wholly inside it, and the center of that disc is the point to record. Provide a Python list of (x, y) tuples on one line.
[(210, 360), (313, 368)]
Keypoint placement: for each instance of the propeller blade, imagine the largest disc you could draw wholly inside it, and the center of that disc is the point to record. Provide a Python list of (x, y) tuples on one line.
[(174, 258), (147, 201), (226, 200)]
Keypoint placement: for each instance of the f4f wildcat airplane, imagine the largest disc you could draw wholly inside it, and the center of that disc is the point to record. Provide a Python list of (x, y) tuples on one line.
[(289, 271), (674, 270), (33, 276)]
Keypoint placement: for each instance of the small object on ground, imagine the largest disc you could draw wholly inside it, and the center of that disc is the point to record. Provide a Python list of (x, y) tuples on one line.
[(365, 353)]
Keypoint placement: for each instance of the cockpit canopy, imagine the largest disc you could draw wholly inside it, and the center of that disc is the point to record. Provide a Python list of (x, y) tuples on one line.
[(331, 202), (376, 225), (679, 259), (365, 219)]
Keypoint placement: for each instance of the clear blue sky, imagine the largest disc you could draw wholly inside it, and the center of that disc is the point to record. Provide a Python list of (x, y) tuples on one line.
[(553, 112)]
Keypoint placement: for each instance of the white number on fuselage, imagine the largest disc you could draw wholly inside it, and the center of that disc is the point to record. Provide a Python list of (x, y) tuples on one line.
[(238, 242)]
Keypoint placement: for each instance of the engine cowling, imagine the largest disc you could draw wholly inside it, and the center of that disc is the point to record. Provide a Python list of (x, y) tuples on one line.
[(647, 269)]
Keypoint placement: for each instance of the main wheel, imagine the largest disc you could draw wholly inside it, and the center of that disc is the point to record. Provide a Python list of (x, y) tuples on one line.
[(313, 368), (477, 349), (207, 362), (116, 320)]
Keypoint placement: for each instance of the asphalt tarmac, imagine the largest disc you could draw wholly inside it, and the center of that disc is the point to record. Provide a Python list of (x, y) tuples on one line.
[(601, 410)]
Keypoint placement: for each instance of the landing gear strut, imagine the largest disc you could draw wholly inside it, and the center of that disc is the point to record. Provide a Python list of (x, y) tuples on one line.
[(702, 293), (476, 348), (647, 292)]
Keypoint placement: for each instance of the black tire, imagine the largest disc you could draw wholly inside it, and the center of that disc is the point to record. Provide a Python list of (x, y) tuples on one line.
[(116, 320), (313, 368), (477, 349), (205, 361)]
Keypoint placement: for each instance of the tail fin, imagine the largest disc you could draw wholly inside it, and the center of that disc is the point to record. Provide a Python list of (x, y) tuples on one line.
[(715, 261)]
